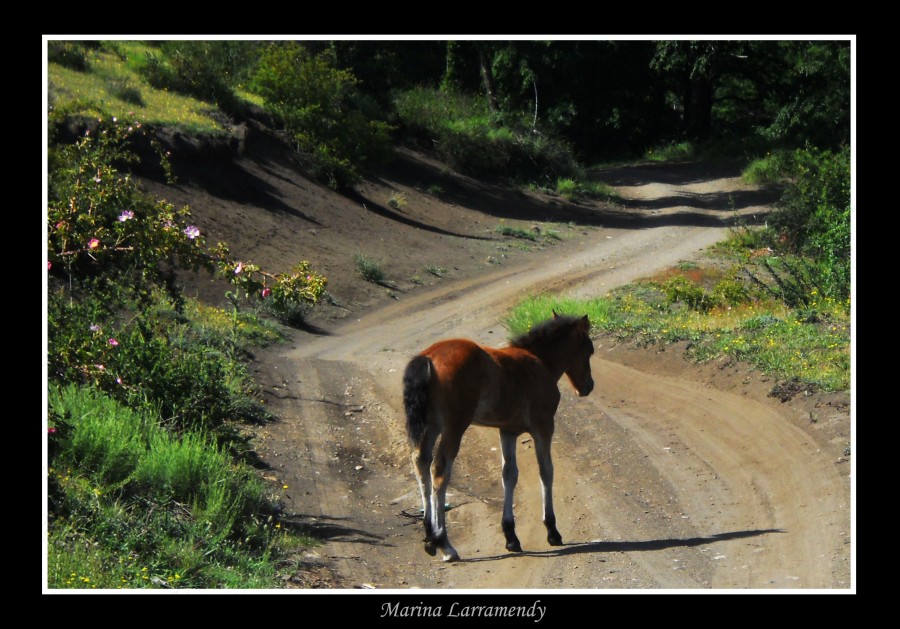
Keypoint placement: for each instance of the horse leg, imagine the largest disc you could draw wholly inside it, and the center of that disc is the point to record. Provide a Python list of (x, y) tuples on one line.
[(422, 458), (440, 478), (510, 478), (545, 466)]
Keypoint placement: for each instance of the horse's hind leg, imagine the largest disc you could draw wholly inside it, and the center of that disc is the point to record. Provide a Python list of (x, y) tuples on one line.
[(441, 469), (422, 458), (510, 478), (545, 466)]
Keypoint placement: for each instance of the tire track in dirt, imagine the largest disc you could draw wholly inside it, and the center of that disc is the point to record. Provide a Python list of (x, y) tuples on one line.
[(661, 482)]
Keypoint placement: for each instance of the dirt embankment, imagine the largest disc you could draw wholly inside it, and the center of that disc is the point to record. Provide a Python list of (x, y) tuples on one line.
[(668, 476)]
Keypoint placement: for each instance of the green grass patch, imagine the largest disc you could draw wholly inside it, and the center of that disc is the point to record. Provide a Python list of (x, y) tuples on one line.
[(465, 135), (773, 167), (369, 268), (437, 271), (673, 152), (571, 190), (723, 315), (111, 86), (516, 232), (135, 505)]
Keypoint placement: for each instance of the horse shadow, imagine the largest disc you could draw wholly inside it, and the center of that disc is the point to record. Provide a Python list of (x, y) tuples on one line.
[(330, 528), (579, 548)]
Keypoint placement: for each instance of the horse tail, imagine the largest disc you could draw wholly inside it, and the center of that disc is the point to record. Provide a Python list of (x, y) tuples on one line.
[(415, 397)]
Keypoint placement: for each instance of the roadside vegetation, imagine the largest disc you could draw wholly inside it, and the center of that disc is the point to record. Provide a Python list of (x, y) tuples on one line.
[(148, 480)]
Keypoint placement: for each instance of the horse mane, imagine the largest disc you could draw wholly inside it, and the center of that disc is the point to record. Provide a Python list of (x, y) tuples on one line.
[(543, 333)]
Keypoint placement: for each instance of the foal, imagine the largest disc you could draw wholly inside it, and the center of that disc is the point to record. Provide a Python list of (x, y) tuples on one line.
[(456, 383)]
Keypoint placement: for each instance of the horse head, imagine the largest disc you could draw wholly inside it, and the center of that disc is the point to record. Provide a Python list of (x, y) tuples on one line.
[(580, 349)]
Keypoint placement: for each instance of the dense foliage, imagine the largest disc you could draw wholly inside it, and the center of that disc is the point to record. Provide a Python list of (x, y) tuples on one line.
[(320, 107)]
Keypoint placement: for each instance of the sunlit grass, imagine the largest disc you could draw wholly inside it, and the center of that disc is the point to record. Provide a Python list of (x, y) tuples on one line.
[(112, 87), (812, 345)]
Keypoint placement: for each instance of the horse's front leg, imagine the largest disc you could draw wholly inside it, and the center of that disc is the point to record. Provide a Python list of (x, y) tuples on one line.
[(545, 465), (510, 478)]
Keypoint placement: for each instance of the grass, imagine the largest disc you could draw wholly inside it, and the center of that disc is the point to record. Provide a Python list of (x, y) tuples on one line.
[(572, 189), (134, 505), (773, 167), (111, 86), (143, 500), (672, 152), (437, 271), (516, 232), (723, 314), (369, 268), (397, 201)]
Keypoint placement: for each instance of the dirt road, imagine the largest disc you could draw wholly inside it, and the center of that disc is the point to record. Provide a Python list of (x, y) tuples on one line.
[(663, 480)]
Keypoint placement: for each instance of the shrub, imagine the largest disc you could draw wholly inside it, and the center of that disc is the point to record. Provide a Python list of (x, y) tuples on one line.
[(318, 105), (369, 269), (813, 217)]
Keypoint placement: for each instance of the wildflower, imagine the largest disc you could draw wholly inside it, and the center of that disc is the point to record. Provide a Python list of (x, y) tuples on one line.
[(97, 178), (191, 231), (93, 243), (285, 487), (266, 292), (95, 327), (51, 430), (48, 265), (100, 367), (125, 216), (239, 268), (113, 342), (118, 380)]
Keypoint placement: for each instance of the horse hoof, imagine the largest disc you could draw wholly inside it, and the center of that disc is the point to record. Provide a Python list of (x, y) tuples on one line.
[(451, 557), (430, 548), (514, 547), (555, 539)]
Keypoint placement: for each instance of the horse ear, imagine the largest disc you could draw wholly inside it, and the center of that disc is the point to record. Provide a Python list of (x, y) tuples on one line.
[(585, 324), (555, 314)]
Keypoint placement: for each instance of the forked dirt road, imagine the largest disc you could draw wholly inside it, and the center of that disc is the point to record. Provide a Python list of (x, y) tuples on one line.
[(663, 480)]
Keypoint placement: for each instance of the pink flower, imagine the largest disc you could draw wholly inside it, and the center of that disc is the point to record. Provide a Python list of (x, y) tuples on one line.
[(100, 367), (51, 430), (94, 327), (266, 292), (113, 342), (239, 268), (125, 216), (48, 265), (93, 243), (191, 231)]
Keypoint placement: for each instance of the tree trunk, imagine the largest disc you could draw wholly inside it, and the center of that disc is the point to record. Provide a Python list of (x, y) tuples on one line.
[(487, 75)]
